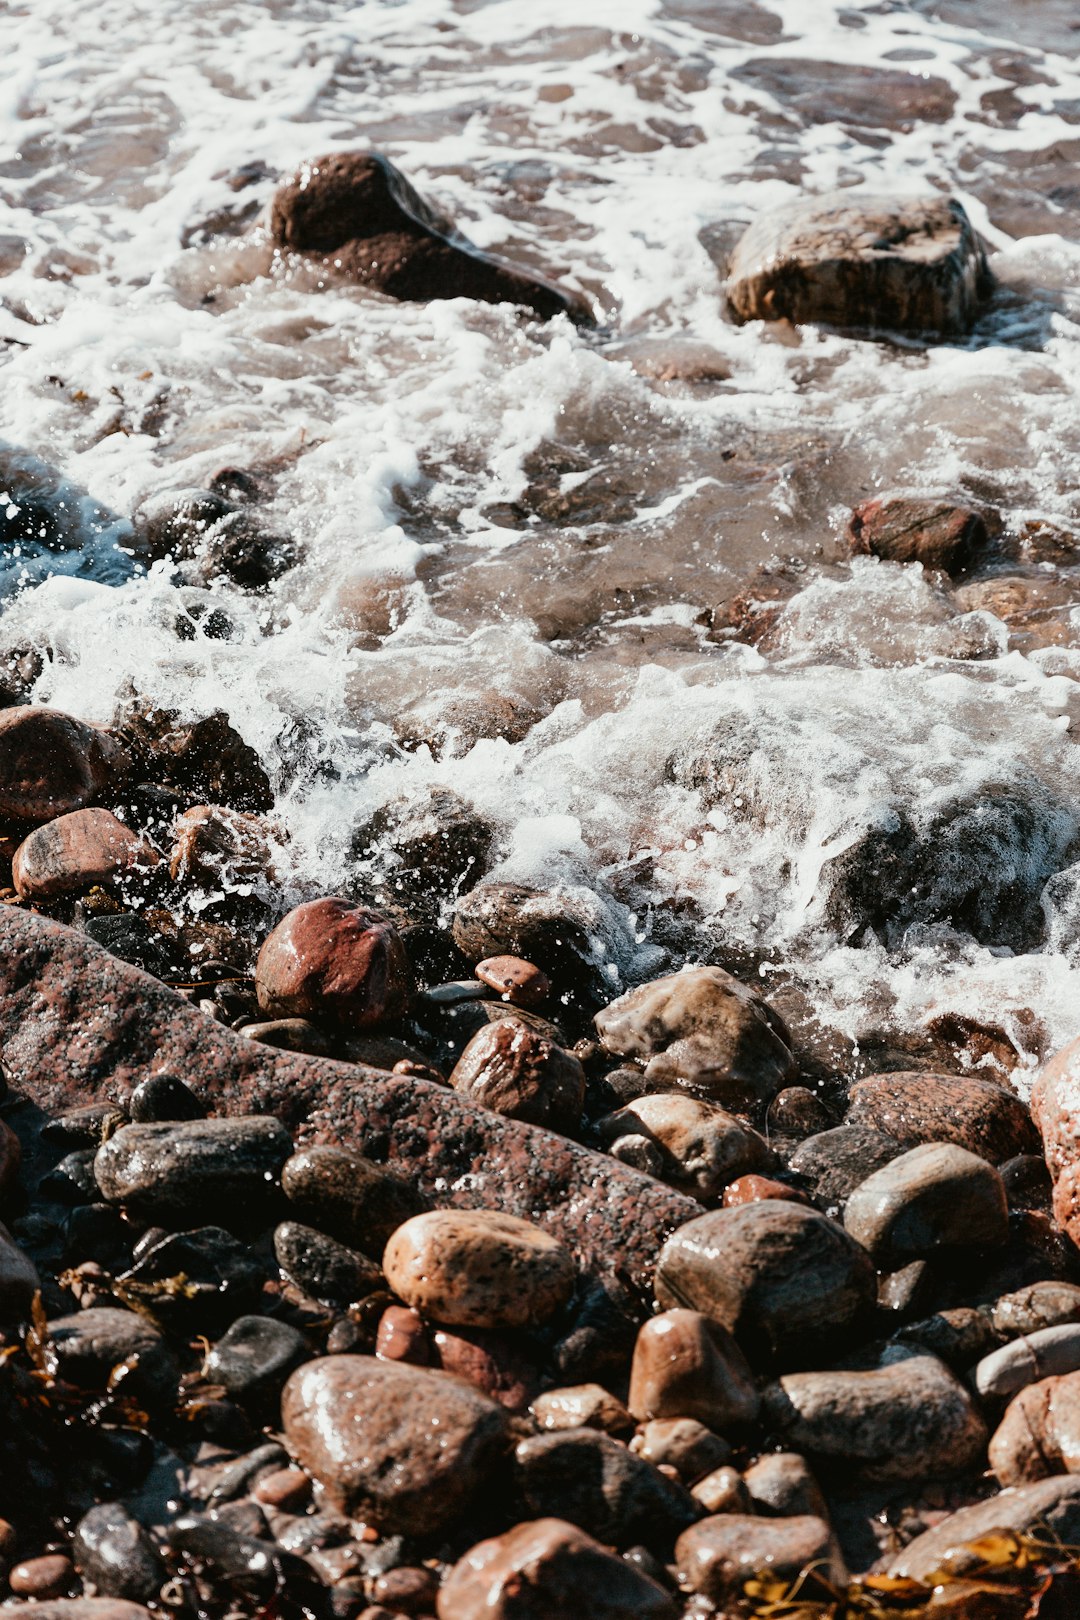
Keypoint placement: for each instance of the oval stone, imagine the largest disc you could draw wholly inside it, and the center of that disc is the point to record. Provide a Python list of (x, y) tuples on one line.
[(332, 960), (936, 1196), (217, 1169), (478, 1268)]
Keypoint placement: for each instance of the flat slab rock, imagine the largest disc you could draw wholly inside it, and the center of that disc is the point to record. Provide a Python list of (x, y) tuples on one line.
[(849, 259), (78, 1025)]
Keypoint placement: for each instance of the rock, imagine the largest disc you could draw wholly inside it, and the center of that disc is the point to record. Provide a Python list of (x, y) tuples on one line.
[(563, 933), (1041, 1305), (323, 1268), (88, 1348), (595, 1482), (19, 1281), (718, 1555), (1040, 1433), (343, 1193), (581, 1406), (422, 850), (409, 1589), (835, 1162), (80, 1609), (936, 1196), (218, 535), (46, 1577), (216, 847), (292, 1035), (253, 1359), (357, 212), (76, 852), (780, 1483), (162, 1098), (1042, 1354), (286, 1489), (700, 1146), (546, 1567), (514, 1071), (915, 1106), (1055, 1107), (330, 959), (134, 940), (703, 1030), (686, 1366), (114, 1553), (492, 1362), (219, 1169), (402, 1335), (400, 1448), (683, 1444), (221, 1280), (908, 1292), (1027, 1182), (1050, 1508), (910, 1419), (722, 1491), (752, 1189), (852, 259), (784, 1280), (519, 982), (902, 529), (798, 1111), (478, 1268), (52, 764), (959, 1337), (204, 761)]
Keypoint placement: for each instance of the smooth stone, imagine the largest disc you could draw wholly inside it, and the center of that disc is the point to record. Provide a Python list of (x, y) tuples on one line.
[(784, 1280), (936, 1196), (960, 1336), (252, 1360), (781, 1483), (753, 1189), (333, 960), (286, 1489), (49, 1576), (400, 1448), (221, 1277), (1055, 1108), (859, 260), (1039, 1435), (599, 1484), (909, 1291), (52, 764), (683, 1444), (517, 981), (798, 1111), (914, 1106), (492, 1362), (686, 1366), (350, 1197), (553, 930), (519, 1073), (581, 1406), (1040, 1305), (722, 1491), (76, 852), (163, 1098), (85, 1350), (217, 1169), (704, 1030), (323, 1268), (114, 1553), (402, 1335), (718, 1555), (478, 1268), (834, 1162), (1043, 1354), (19, 1280), (911, 1419), (701, 1146), (937, 534), (1051, 1507), (545, 1568), (79, 1609)]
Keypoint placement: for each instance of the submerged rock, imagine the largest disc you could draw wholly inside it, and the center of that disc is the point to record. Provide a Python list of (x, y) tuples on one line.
[(851, 259), (204, 761), (217, 535), (938, 534)]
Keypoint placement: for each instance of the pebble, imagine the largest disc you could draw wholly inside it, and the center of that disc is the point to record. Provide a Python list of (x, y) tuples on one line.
[(722, 1491), (1041, 1305), (77, 852), (162, 1098), (397, 1447), (593, 1481), (86, 1348), (683, 1444), (703, 1029), (1040, 1433), (686, 1366), (701, 1146), (81, 1609), (521, 1074), (224, 1170), (49, 1576), (781, 1483), (911, 1419), (252, 1360), (798, 1111), (753, 1189), (329, 959), (936, 1196), (340, 1192), (914, 1106), (960, 1336), (19, 1281), (581, 1406), (718, 1555), (478, 1268), (835, 1162), (52, 764), (519, 982), (785, 1281), (903, 529), (546, 1568), (403, 1336), (286, 1489), (114, 1553), (222, 1279), (409, 1589), (1043, 1354), (323, 1268), (1050, 1508)]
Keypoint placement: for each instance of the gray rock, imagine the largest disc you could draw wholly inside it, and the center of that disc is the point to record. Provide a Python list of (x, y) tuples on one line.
[(86, 1350), (718, 1555), (597, 1483), (1045, 1354), (835, 1162), (1040, 1305), (320, 1266), (936, 1196), (781, 1483), (19, 1281), (253, 1359), (222, 1170), (1052, 1505), (115, 1554), (683, 1444), (221, 1280)]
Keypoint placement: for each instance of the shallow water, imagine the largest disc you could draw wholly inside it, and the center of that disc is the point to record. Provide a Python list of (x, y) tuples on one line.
[(879, 804)]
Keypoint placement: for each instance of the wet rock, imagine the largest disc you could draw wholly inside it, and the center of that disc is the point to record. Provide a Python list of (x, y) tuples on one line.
[(752, 1189), (1039, 1436), (216, 534), (216, 847), (323, 1268), (19, 1281), (938, 534), (49, 1576), (852, 94), (683, 1444), (219, 1169), (722, 1491), (162, 1098), (330, 959), (1041, 1305), (595, 1482), (286, 1489), (81, 1609), (857, 260), (478, 1268), (1051, 1507), (253, 1359), (1048, 1352), (357, 212), (781, 1484), (718, 1555), (936, 1196), (221, 1280), (409, 1589), (798, 1111), (557, 931), (703, 1030), (87, 1349), (403, 1336), (343, 1193), (492, 1362), (519, 982), (204, 761), (581, 1406), (686, 1366), (960, 1337), (1055, 1107), (76, 852), (784, 1280), (546, 1567), (134, 940), (423, 849), (115, 1554), (72, 1180), (399, 1448), (700, 1147), (916, 1106), (52, 764), (1027, 1182), (908, 1292), (292, 1035), (514, 1071), (835, 1162), (911, 1419)]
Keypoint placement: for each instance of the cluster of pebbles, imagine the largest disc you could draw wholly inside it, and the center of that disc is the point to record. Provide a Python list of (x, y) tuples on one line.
[(367, 1288)]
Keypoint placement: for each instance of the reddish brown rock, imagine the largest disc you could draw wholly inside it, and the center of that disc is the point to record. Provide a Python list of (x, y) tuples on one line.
[(1055, 1106), (581, 1406), (515, 1071), (360, 216), (213, 845), (1050, 1508), (718, 1555), (478, 1268), (546, 1567), (916, 1106), (332, 960), (696, 1145), (77, 851), (402, 1335), (51, 764), (287, 1489), (1039, 1435), (491, 1362), (934, 533), (752, 1189), (517, 981), (49, 1576), (686, 1366), (402, 1449), (934, 1196)]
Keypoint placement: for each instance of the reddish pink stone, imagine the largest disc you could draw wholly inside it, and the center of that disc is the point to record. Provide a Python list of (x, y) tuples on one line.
[(517, 981), (333, 960), (751, 1189), (76, 852), (402, 1336)]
